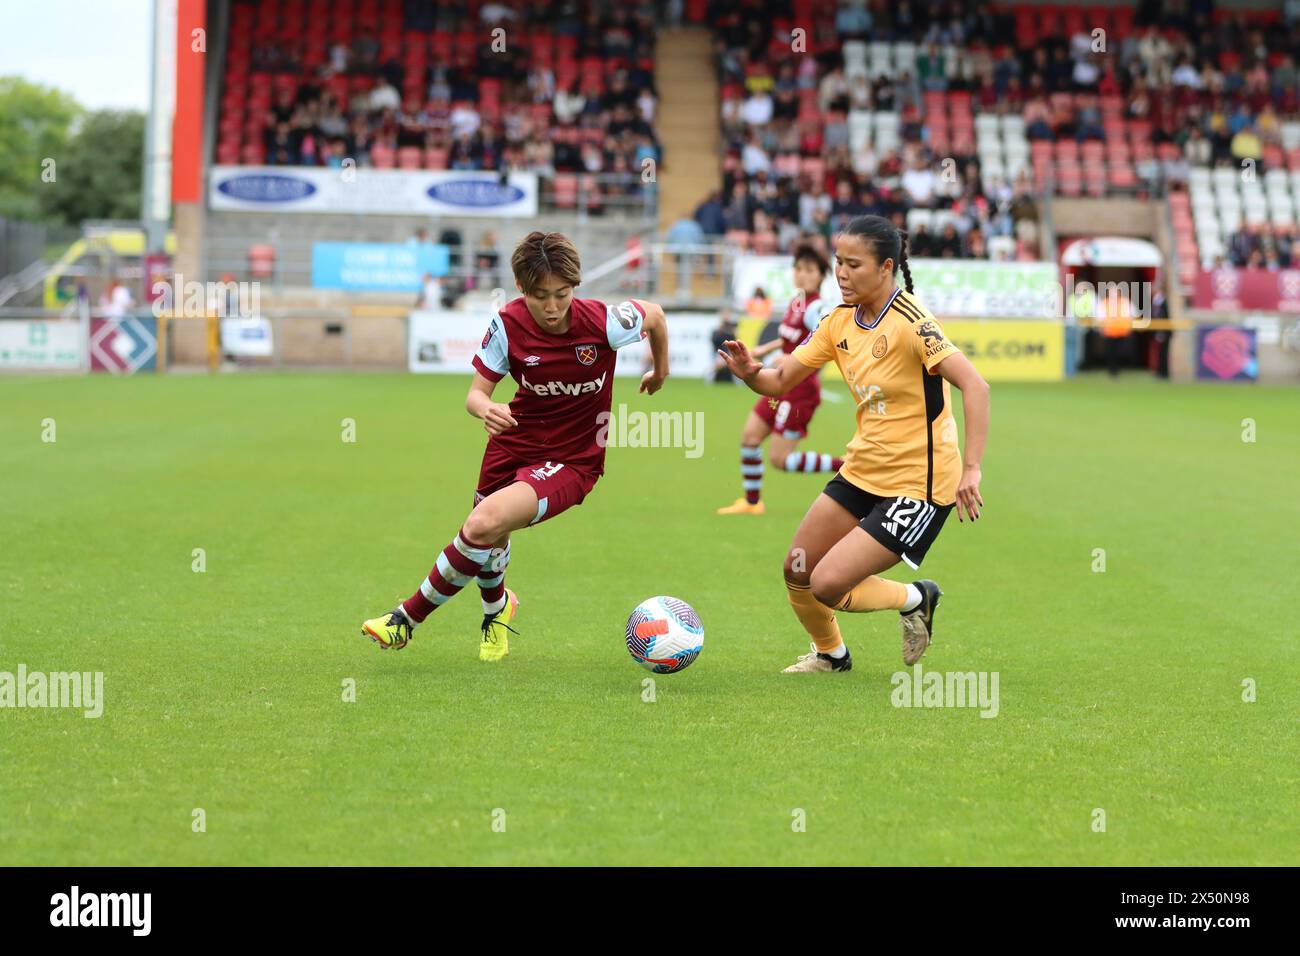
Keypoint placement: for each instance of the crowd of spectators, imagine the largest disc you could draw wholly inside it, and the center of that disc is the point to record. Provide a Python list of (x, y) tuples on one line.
[(498, 106), (1263, 246), (1212, 89)]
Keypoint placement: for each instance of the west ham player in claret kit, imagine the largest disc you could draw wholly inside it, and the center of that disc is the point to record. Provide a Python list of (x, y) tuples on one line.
[(542, 456), (786, 418)]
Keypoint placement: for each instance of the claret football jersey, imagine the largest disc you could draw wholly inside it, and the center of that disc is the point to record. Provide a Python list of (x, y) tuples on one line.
[(906, 441), (565, 381), (802, 317)]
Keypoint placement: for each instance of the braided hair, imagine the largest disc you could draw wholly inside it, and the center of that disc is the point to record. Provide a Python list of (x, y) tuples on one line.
[(886, 239)]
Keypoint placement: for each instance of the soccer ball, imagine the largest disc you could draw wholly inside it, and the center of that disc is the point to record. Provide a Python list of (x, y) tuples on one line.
[(664, 634)]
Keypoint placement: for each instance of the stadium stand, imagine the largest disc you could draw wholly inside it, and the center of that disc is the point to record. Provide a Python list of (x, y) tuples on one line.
[(569, 94), (950, 117)]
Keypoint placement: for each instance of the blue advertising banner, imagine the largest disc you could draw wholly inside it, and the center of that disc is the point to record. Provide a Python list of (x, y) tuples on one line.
[(397, 192), (376, 266), (1226, 353)]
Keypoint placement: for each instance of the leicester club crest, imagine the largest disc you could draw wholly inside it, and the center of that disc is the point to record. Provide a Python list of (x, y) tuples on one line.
[(586, 354)]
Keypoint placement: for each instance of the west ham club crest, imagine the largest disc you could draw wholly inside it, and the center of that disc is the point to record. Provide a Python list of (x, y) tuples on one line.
[(586, 354)]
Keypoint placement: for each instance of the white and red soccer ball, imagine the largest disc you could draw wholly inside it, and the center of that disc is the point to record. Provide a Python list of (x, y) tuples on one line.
[(664, 634)]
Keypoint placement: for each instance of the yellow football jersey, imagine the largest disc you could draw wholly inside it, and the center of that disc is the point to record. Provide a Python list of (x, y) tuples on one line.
[(906, 443)]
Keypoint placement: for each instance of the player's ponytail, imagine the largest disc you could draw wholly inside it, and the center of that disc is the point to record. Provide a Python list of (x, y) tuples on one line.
[(888, 241), (902, 261)]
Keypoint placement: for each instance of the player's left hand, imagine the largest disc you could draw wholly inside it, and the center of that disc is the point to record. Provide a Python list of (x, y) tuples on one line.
[(968, 493), (651, 382)]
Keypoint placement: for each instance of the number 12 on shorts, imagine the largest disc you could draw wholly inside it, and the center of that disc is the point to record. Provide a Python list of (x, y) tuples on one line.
[(901, 513)]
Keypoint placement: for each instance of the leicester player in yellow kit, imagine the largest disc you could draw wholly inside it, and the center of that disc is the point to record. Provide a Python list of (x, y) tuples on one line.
[(903, 471)]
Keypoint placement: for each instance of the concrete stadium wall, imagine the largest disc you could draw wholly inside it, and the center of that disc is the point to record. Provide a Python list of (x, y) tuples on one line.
[(306, 340), (1099, 217)]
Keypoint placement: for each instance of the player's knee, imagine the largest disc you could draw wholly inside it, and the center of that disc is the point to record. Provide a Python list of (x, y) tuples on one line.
[(795, 572), (825, 589), (778, 460), (484, 525)]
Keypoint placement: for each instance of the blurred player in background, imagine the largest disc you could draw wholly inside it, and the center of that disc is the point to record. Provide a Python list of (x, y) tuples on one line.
[(786, 417), (903, 471), (543, 455)]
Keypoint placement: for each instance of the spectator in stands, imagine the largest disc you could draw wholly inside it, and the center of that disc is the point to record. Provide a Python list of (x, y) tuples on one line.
[(1196, 148), (931, 69), (1246, 145), (919, 182), (465, 120), (709, 216), (495, 13), (430, 292), (487, 260), (365, 48), (853, 20), (739, 213), (1088, 120), (833, 91), (384, 95), (757, 109), (753, 158), (646, 104), (1284, 237), (1241, 244), (920, 242), (569, 104), (283, 147), (948, 243), (1037, 114), (813, 200), (845, 205)]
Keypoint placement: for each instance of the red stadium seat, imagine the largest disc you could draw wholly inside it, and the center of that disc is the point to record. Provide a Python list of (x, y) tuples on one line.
[(565, 187)]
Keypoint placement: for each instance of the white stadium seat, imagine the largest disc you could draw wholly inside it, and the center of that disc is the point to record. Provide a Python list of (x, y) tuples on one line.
[(1225, 178), (905, 59), (855, 58)]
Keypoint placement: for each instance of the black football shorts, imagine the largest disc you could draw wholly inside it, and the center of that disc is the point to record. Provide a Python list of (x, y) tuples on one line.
[(906, 526)]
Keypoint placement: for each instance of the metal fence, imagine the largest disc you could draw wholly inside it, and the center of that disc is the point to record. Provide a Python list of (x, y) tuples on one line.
[(21, 244)]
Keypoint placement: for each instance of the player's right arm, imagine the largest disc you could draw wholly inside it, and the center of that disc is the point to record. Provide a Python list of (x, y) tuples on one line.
[(772, 382), (491, 365), (496, 415)]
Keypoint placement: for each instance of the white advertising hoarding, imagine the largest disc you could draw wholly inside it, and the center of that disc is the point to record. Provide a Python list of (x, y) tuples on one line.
[(406, 192), (947, 287), (37, 344)]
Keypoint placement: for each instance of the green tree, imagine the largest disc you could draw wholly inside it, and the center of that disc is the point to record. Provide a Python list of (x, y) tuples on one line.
[(101, 177), (35, 128)]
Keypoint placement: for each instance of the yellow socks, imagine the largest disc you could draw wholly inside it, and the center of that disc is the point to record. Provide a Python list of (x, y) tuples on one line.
[(817, 619), (874, 594)]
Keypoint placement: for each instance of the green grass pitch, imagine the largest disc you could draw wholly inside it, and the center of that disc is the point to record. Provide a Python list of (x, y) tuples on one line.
[(1120, 691)]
